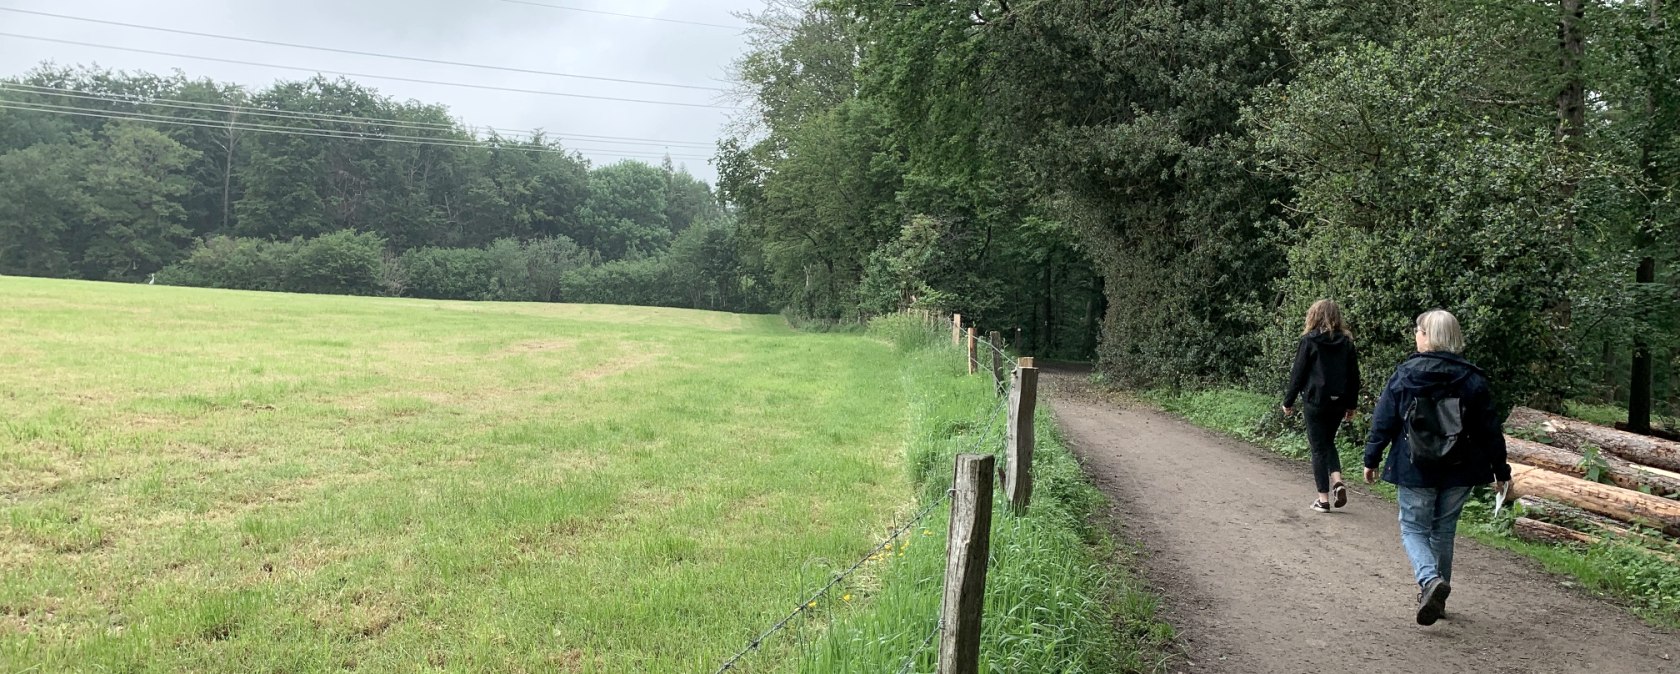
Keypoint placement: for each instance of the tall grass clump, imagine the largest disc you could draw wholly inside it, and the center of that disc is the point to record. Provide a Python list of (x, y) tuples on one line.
[(906, 332), (1055, 602)]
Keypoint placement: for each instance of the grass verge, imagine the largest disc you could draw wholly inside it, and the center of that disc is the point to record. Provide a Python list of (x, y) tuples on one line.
[(1055, 601), (1646, 583)]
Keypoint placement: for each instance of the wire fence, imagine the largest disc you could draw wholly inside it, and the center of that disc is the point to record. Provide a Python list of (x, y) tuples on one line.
[(987, 435)]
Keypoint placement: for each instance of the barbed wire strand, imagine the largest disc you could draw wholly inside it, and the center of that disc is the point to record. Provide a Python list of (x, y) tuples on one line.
[(910, 660), (892, 538), (807, 604), (1014, 361)]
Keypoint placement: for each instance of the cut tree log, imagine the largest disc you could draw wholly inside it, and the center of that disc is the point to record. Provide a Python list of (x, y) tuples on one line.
[(1612, 501), (1546, 532), (1573, 434), (1561, 514), (1558, 460)]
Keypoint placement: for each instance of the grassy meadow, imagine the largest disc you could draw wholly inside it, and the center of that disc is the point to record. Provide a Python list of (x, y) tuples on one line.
[(197, 480)]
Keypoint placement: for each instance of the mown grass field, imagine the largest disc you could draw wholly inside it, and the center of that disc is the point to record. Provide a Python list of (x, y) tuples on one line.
[(196, 481)]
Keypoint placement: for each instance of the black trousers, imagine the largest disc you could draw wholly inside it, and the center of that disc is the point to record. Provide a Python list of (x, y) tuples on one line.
[(1322, 423)]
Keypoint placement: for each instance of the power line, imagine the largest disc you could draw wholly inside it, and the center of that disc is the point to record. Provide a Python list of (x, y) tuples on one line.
[(254, 126), (623, 16), (367, 76), (224, 108), (354, 52), (327, 133)]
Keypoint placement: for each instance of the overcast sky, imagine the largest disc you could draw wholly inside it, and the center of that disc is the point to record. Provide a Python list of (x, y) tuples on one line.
[(494, 32)]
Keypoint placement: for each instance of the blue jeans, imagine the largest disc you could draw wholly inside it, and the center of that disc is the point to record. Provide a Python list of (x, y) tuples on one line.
[(1428, 522)]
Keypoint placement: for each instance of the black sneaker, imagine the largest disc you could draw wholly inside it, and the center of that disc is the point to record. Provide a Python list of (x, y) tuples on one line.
[(1321, 506), (1432, 601), (1340, 490)]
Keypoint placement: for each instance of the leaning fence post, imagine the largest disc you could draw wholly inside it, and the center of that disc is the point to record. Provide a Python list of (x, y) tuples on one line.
[(967, 548), (997, 362), (956, 329), (1023, 400), (973, 350)]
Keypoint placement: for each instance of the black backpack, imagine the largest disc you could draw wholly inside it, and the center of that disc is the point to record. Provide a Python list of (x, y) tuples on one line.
[(1435, 427)]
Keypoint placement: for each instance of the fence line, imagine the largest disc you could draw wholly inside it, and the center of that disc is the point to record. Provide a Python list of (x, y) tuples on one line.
[(985, 435)]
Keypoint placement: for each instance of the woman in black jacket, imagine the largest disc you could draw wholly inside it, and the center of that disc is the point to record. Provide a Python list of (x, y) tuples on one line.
[(1326, 377)]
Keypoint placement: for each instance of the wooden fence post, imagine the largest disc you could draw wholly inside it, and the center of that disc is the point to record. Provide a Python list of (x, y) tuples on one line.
[(973, 350), (1023, 400), (967, 548), (997, 361), (956, 329)]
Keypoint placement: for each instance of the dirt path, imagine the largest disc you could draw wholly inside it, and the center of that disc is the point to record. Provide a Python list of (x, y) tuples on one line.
[(1255, 582)]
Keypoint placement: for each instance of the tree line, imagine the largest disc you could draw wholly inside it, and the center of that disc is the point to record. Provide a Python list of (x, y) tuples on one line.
[(328, 186), (1170, 183)]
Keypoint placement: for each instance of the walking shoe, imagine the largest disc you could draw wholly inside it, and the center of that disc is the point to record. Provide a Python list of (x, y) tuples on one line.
[(1340, 490), (1321, 506), (1432, 601)]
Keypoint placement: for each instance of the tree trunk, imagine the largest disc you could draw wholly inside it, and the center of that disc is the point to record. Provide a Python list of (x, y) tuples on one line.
[(1607, 365), (1639, 390), (227, 173), (1619, 472), (1622, 504), (1580, 520), (1093, 316), (1572, 97), (1571, 126), (1546, 532), (1049, 332), (1572, 434)]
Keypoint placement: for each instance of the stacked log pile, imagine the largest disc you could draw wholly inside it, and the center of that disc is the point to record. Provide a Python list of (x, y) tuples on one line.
[(1636, 497)]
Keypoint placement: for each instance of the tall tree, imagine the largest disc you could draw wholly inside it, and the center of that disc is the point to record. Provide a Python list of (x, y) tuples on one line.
[(135, 220)]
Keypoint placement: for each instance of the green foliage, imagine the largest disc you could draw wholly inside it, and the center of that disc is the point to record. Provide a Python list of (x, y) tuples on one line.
[(1411, 196), (871, 182), (1594, 465), (238, 264), (625, 213), (646, 282), (340, 263), (103, 206), (449, 273)]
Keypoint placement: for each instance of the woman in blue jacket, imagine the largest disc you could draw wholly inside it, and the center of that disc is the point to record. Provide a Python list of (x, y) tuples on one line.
[(1431, 498)]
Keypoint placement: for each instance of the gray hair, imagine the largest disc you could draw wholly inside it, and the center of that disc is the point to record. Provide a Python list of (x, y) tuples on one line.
[(1440, 331)]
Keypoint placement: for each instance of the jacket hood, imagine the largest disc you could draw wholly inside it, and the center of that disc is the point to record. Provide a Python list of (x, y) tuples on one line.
[(1328, 338), (1436, 371)]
